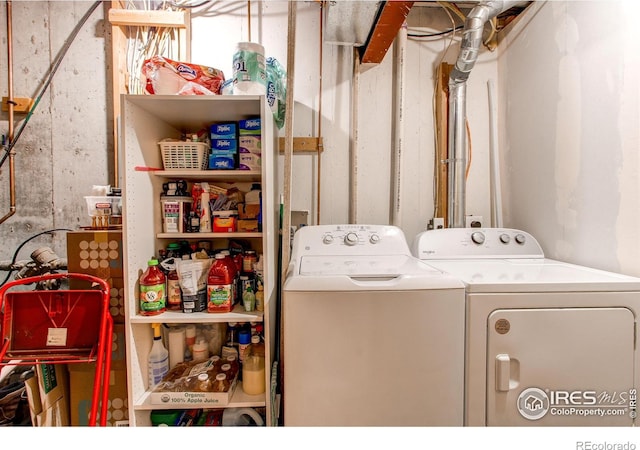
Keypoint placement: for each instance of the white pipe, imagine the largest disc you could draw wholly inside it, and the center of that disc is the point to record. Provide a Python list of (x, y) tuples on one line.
[(398, 125), (494, 176), (353, 147)]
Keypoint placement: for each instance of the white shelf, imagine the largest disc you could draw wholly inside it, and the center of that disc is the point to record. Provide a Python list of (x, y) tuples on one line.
[(238, 400), (237, 315), (236, 235), (145, 121), (219, 175)]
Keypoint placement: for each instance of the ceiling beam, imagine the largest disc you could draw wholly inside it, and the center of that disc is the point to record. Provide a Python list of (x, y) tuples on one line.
[(392, 16)]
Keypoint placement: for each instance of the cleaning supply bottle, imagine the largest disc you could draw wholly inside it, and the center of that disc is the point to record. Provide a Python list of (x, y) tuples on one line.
[(158, 358), (153, 294)]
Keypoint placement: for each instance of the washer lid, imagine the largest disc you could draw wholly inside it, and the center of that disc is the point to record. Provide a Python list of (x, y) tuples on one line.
[(367, 273), (359, 266)]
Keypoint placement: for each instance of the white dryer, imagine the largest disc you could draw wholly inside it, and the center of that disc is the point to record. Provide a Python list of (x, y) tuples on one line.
[(547, 343), (371, 336)]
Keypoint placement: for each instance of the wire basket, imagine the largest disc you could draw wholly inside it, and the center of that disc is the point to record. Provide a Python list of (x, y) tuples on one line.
[(184, 155)]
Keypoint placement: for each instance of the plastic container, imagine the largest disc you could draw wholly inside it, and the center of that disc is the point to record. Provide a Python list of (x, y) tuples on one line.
[(175, 213), (260, 298), (200, 350), (253, 368), (221, 383), (177, 346), (241, 417), (231, 263), (220, 286), (249, 69), (174, 293), (249, 299), (244, 340), (158, 358), (248, 260), (153, 295)]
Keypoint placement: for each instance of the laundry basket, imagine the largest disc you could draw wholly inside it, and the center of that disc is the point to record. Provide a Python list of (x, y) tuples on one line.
[(59, 327)]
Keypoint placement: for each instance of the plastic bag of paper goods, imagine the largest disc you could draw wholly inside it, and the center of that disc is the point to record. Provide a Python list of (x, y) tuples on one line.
[(166, 77)]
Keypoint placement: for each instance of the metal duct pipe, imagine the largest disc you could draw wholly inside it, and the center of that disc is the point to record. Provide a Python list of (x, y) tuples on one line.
[(469, 48)]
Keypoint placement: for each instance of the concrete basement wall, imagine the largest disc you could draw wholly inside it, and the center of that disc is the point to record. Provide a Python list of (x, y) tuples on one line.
[(65, 147)]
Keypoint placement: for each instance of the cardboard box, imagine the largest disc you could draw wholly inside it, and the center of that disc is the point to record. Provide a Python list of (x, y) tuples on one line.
[(224, 145), (195, 399), (250, 144), (248, 211), (116, 295), (227, 130), (249, 161), (48, 395), (97, 253), (81, 392), (222, 160), (250, 126), (225, 221), (248, 225)]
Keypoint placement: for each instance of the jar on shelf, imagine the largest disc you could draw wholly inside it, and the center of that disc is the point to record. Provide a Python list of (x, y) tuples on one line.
[(253, 368)]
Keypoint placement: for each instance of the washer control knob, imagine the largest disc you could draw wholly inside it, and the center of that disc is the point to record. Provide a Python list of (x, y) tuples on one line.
[(477, 237), (374, 238), (327, 239), (520, 239), (505, 238), (351, 238)]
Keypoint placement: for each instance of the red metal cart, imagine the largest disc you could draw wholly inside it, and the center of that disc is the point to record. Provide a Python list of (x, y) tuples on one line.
[(59, 327)]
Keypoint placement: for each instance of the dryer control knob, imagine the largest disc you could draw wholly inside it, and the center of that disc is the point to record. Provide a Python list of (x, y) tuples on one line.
[(351, 238), (374, 238), (520, 239), (477, 237), (327, 239), (505, 238)]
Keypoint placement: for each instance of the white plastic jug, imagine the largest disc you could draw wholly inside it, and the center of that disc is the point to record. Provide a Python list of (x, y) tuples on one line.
[(241, 417)]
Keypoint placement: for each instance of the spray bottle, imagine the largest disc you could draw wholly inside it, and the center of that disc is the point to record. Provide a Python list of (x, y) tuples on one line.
[(158, 358)]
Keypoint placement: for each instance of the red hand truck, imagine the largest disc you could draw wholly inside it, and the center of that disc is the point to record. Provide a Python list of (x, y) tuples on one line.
[(59, 327)]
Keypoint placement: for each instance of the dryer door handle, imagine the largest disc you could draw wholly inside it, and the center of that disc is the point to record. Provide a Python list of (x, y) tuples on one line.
[(503, 372)]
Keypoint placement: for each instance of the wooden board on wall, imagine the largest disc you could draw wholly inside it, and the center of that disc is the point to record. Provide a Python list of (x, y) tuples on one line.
[(442, 140)]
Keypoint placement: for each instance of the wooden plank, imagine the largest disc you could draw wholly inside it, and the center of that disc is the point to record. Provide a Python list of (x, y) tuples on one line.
[(385, 30), (442, 140), (20, 104), (134, 17), (302, 145)]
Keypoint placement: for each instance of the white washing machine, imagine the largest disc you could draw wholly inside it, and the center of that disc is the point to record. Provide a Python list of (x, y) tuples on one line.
[(547, 343), (371, 336)]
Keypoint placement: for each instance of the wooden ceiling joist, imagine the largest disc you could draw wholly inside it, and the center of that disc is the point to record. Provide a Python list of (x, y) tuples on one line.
[(384, 31)]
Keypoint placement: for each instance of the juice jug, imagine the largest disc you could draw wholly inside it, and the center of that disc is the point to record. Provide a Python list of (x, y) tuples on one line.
[(220, 283), (153, 294)]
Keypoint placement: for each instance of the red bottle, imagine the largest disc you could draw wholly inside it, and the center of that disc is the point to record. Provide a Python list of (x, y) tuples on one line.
[(234, 272), (220, 286), (153, 294)]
